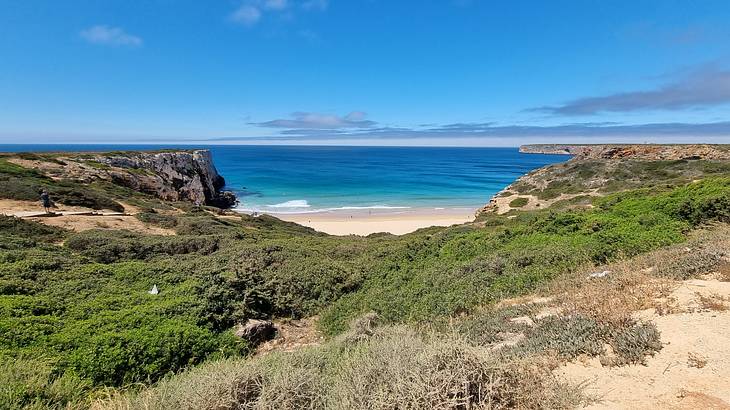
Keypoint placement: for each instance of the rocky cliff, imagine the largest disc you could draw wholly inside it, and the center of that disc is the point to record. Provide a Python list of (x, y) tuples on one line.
[(169, 175), (173, 176), (652, 152)]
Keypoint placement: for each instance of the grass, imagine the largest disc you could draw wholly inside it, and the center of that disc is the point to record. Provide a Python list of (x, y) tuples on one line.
[(97, 165)]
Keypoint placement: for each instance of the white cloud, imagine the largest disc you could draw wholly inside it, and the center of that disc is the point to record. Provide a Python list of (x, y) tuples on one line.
[(247, 15), (313, 120), (276, 4), (113, 36), (705, 86), (251, 12)]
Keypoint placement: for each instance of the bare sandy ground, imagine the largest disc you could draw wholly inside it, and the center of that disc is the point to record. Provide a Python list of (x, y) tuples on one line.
[(502, 203), (81, 222), (84, 223), (361, 222), (692, 371), (355, 222)]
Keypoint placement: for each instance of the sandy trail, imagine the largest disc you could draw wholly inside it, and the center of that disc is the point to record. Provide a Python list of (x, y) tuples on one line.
[(78, 219), (692, 371)]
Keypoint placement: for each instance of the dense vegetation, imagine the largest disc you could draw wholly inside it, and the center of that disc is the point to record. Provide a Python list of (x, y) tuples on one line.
[(77, 316)]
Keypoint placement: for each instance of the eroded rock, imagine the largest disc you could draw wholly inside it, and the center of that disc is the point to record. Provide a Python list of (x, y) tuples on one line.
[(256, 331)]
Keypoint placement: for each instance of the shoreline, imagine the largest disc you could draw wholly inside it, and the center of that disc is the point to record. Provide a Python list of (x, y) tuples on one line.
[(368, 221)]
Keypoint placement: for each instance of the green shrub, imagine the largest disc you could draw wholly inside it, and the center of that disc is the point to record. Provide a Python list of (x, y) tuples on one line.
[(33, 383), (85, 304), (519, 202), (10, 225), (107, 246), (10, 169), (202, 225), (138, 352), (154, 218)]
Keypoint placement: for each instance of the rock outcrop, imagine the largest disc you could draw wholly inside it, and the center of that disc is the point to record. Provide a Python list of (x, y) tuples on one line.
[(173, 176), (256, 331), (653, 152), (169, 175)]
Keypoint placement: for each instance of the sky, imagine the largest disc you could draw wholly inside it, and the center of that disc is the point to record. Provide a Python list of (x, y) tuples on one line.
[(364, 72)]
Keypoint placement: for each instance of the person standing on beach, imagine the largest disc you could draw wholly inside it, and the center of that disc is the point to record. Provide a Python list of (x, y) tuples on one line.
[(46, 201)]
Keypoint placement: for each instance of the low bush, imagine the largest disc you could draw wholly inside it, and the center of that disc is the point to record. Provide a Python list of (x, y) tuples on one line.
[(33, 383), (107, 246), (519, 202), (86, 304), (157, 219), (392, 368), (31, 230), (572, 336)]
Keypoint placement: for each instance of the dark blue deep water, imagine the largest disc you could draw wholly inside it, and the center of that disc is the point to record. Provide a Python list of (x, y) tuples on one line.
[(287, 179)]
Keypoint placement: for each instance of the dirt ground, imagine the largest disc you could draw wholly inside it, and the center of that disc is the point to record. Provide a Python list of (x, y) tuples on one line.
[(692, 371), (502, 203), (82, 222), (292, 335)]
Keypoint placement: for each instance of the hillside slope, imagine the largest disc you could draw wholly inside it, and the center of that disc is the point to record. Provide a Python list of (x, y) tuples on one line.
[(597, 170), (428, 319)]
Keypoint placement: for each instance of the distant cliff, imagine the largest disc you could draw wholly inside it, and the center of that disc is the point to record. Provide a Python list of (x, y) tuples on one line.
[(598, 170), (652, 152)]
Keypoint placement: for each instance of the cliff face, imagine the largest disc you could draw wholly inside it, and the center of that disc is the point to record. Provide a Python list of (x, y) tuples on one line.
[(635, 151), (173, 176)]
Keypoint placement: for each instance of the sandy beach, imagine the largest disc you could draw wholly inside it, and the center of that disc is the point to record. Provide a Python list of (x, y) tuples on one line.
[(363, 222)]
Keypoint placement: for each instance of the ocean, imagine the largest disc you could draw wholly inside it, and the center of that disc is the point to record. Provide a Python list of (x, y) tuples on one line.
[(304, 179)]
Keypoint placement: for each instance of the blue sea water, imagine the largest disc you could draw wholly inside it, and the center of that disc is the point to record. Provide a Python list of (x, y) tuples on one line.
[(298, 179)]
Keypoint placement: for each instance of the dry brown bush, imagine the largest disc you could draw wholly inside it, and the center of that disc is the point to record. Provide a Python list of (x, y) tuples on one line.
[(644, 281), (394, 367), (712, 302)]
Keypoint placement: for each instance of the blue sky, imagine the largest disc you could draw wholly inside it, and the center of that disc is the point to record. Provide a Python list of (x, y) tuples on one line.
[(364, 72)]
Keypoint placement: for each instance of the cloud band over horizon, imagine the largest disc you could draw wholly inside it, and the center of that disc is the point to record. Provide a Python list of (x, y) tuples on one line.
[(703, 87)]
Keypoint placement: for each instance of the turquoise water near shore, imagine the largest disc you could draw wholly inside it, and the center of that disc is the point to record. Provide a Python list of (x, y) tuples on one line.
[(303, 179)]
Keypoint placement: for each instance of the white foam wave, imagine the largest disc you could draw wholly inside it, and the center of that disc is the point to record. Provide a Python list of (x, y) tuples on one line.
[(303, 207), (297, 203), (368, 207)]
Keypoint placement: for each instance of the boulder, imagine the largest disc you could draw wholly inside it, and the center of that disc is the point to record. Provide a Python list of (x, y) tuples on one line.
[(256, 331)]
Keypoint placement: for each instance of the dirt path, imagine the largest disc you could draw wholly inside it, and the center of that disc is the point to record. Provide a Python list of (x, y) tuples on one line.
[(501, 204), (692, 371), (79, 218)]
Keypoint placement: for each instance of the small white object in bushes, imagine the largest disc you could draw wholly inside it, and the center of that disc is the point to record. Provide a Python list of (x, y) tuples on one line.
[(599, 274)]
